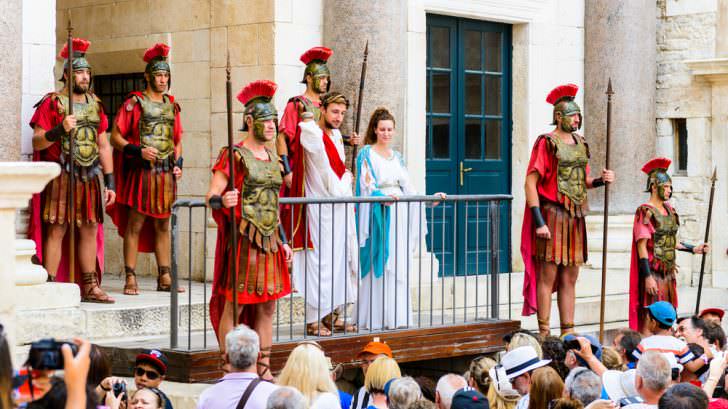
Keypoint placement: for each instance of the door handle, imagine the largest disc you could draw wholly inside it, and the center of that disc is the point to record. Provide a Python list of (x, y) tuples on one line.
[(463, 171)]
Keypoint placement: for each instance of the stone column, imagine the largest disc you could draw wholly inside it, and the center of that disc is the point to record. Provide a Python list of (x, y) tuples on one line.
[(11, 66), (620, 42), (348, 24)]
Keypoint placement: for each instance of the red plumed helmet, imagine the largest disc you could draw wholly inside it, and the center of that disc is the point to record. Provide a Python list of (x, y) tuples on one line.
[(157, 50), (316, 53), (561, 92), (79, 46), (656, 163), (260, 88)]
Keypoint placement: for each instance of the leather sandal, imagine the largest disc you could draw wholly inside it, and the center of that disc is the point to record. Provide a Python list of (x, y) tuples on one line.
[(334, 322), (544, 328), (92, 292), (164, 280), (131, 287), (317, 329), (264, 367), (567, 328)]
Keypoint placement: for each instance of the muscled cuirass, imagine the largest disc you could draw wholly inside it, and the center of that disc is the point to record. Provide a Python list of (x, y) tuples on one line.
[(259, 193), (85, 135), (156, 126), (665, 239), (571, 172), (307, 106)]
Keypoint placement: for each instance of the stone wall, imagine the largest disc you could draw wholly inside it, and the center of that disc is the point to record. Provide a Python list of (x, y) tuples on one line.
[(10, 66)]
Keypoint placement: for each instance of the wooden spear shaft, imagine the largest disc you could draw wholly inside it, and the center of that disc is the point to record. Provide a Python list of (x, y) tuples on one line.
[(605, 231), (231, 186), (357, 119), (707, 236), (71, 160)]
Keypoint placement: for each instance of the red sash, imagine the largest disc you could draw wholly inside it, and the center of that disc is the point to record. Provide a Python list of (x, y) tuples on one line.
[(334, 159)]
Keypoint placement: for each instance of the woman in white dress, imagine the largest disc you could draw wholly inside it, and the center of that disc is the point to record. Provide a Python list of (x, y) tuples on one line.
[(388, 233)]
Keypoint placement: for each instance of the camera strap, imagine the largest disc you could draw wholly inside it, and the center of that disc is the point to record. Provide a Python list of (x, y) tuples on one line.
[(248, 392)]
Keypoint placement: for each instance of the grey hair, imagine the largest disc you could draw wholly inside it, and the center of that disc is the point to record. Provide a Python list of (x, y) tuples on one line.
[(243, 346), (286, 397), (403, 392), (447, 385), (583, 385), (655, 371)]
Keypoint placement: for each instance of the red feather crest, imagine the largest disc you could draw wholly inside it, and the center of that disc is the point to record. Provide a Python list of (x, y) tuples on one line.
[(656, 163), (316, 53), (79, 45), (562, 91), (157, 50), (260, 88)]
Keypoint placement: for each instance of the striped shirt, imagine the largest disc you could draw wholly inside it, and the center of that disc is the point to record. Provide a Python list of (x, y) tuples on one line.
[(665, 344)]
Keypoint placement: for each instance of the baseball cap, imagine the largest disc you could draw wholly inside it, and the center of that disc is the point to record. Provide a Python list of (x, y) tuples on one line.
[(717, 311), (663, 312), (154, 357), (469, 398), (571, 342), (376, 348)]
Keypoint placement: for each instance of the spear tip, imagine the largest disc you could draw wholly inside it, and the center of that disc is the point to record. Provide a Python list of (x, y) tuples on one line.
[(227, 66), (715, 175), (366, 48), (68, 21), (609, 87)]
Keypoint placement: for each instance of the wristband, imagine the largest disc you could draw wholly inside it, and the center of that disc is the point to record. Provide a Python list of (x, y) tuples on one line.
[(104, 389), (598, 182), (282, 233), (537, 216), (286, 165), (109, 181), (134, 151), (180, 161), (644, 268), (215, 202), (688, 248), (55, 133)]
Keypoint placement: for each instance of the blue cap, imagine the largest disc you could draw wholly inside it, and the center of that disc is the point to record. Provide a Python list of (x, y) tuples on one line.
[(663, 312), (572, 343), (469, 398)]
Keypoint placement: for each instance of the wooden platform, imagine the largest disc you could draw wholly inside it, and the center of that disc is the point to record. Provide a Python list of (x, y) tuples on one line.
[(407, 345)]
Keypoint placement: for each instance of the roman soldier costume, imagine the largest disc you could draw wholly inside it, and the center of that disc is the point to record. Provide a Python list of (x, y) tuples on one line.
[(53, 205), (293, 217), (262, 271)]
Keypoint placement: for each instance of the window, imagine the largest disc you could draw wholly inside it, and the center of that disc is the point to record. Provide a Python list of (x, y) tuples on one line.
[(113, 90), (680, 128)]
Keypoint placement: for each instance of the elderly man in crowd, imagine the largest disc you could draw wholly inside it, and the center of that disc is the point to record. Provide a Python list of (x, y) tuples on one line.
[(447, 385), (403, 392), (653, 377), (286, 397), (241, 387), (583, 385)]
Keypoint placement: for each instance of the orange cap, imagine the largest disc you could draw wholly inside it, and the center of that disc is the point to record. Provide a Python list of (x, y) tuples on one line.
[(375, 347)]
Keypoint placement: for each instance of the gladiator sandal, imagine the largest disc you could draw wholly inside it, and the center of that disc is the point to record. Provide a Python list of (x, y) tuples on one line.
[(51, 278), (264, 367), (164, 280), (544, 328), (91, 291), (567, 328), (131, 287)]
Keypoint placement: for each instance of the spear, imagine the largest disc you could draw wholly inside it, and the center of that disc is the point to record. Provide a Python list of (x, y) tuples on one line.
[(357, 119), (230, 187), (602, 299), (72, 167), (707, 234)]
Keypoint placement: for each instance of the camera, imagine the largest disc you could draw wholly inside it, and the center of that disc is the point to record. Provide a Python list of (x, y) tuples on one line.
[(46, 354), (119, 388), (574, 344)]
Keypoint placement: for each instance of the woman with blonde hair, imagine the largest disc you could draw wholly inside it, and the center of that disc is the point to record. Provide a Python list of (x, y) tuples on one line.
[(379, 373), (477, 375), (546, 385), (611, 359), (307, 369), (521, 339)]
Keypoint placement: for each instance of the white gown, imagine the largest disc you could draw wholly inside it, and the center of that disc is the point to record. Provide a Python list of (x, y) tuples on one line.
[(385, 302), (327, 272)]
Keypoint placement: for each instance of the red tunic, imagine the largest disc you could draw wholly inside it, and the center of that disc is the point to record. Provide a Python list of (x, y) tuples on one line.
[(47, 116), (251, 259), (131, 180), (294, 215)]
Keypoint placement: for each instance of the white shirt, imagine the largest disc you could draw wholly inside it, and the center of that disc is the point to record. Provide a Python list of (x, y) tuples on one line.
[(523, 402)]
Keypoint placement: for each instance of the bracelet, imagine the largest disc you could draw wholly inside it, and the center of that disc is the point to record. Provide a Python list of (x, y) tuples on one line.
[(282, 233), (644, 268), (286, 165), (598, 182), (109, 181), (537, 216), (104, 389), (688, 248), (215, 202), (180, 161), (134, 151), (55, 133)]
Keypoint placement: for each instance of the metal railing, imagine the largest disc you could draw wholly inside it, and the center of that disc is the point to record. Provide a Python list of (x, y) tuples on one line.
[(452, 251)]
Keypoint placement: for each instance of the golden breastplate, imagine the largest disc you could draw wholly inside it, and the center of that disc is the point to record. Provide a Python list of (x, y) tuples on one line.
[(156, 126)]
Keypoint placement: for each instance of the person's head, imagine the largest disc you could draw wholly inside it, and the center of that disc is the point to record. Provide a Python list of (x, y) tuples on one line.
[(422, 404), (571, 341), (712, 314), (469, 398), (659, 183), (519, 364), (546, 385), (625, 343), (447, 385), (566, 403), (612, 359), (379, 373), (554, 349), (692, 329), (478, 373), (147, 398), (427, 386), (380, 128), (260, 114), (654, 373), (242, 346), (316, 76), (307, 369), (157, 71), (6, 372), (522, 339), (567, 114), (683, 396), (660, 317), (371, 352), (286, 397), (583, 385), (81, 69), (150, 368), (100, 367), (715, 335), (403, 392), (333, 108), (58, 394)]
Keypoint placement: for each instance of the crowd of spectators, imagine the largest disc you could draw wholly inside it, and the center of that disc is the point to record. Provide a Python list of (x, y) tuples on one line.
[(676, 364)]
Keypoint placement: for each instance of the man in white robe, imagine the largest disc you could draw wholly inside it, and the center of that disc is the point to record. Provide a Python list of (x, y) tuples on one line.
[(326, 274)]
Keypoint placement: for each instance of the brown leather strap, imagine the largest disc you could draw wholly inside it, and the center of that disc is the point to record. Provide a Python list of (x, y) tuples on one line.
[(248, 392)]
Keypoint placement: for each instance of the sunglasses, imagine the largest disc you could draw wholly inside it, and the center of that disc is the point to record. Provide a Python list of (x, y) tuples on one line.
[(151, 375)]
